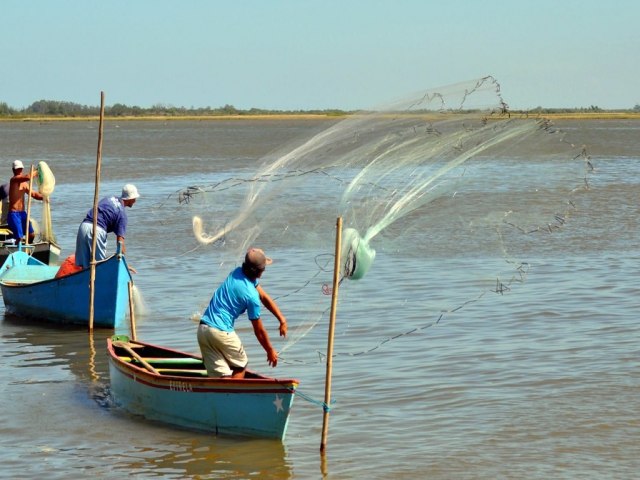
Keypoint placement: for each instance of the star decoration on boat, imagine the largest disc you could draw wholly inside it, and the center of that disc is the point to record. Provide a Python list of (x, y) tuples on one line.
[(278, 403)]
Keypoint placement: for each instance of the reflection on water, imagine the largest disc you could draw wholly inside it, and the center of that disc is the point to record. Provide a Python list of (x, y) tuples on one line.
[(39, 344), (198, 458)]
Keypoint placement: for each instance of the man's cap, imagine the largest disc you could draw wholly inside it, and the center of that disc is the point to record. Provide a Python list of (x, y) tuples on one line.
[(129, 192), (17, 164), (256, 258)]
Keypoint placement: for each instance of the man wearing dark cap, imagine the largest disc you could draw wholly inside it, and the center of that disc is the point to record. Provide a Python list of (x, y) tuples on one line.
[(221, 348)]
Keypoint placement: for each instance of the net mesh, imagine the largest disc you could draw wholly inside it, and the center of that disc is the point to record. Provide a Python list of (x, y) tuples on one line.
[(443, 174), (46, 184)]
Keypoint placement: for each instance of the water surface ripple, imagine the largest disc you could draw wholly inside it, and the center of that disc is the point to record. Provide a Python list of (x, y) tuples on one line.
[(540, 382)]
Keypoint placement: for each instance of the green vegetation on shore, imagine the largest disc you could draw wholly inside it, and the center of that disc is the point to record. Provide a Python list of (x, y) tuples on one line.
[(69, 110), (57, 110)]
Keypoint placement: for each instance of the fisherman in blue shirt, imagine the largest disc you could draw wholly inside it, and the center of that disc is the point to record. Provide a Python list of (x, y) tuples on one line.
[(112, 217), (221, 348)]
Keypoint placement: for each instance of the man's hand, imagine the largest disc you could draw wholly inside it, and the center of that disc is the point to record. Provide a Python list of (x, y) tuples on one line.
[(272, 357), (283, 327)]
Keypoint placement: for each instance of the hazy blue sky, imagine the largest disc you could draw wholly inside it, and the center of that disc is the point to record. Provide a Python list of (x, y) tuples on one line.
[(306, 54)]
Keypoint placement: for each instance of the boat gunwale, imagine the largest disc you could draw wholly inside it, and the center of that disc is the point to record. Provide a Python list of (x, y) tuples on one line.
[(262, 384), (117, 256)]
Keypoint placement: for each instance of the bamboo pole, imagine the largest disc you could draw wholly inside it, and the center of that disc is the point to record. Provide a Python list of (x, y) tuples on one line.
[(26, 233), (92, 275), (132, 313), (332, 323)]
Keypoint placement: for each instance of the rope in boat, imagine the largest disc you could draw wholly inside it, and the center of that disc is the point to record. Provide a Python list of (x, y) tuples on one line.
[(309, 399)]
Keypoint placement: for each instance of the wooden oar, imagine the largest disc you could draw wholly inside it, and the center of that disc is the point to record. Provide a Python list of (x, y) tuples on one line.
[(131, 352)]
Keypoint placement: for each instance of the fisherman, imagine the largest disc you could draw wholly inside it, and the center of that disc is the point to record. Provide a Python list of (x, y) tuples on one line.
[(4, 202), (221, 347), (17, 217), (112, 217)]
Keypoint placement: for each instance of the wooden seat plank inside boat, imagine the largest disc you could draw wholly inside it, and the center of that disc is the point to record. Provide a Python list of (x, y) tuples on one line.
[(181, 372), (176, 366), (165, 360), (162, 361)]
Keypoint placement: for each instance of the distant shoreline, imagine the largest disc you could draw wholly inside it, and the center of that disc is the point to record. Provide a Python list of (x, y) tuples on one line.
[(303, 116), (588, 115), (172, 118)]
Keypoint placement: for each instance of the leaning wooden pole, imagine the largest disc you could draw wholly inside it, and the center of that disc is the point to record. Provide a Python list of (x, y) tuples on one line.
[(332, 324), (96, 196), (26, 228), (132, 312)]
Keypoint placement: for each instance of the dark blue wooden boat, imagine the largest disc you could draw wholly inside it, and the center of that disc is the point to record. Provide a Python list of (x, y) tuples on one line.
[(171, 386), (30, 289)]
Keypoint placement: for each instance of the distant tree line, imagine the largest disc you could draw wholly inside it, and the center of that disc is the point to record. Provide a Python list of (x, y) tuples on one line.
[(591, 108), (54, 108)]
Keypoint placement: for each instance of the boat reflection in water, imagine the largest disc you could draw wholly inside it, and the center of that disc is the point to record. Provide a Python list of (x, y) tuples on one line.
[(222, 457), (55, 350)]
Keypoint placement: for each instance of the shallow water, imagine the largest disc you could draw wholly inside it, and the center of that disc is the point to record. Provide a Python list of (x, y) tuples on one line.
[(540, 381)]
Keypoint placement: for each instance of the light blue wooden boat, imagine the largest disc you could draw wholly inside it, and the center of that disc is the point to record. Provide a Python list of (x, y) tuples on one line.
[(30, 289), (170, 386)]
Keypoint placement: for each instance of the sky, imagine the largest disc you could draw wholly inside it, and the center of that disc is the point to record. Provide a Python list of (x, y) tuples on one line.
[(317, 54)]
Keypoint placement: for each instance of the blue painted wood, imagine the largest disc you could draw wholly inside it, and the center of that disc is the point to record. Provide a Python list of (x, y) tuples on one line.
[(257, 406), (30, 289)]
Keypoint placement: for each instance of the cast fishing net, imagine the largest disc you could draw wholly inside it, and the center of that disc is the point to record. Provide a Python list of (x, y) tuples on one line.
[(46, 183), (441, 178)]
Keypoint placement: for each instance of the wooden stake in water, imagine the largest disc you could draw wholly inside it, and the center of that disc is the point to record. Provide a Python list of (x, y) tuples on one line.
[(332, 323), (92, 275)]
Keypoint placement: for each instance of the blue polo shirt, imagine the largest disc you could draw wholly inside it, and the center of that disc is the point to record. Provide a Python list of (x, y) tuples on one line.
[(112, 216), (236, 295)]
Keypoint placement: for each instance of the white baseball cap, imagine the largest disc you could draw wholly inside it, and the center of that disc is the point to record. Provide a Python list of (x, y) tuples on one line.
[(17, 164), (129, 192)]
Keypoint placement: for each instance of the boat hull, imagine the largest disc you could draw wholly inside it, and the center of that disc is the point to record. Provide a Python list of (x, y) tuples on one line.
[(30, 289), (254, 407), (47, 252)]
